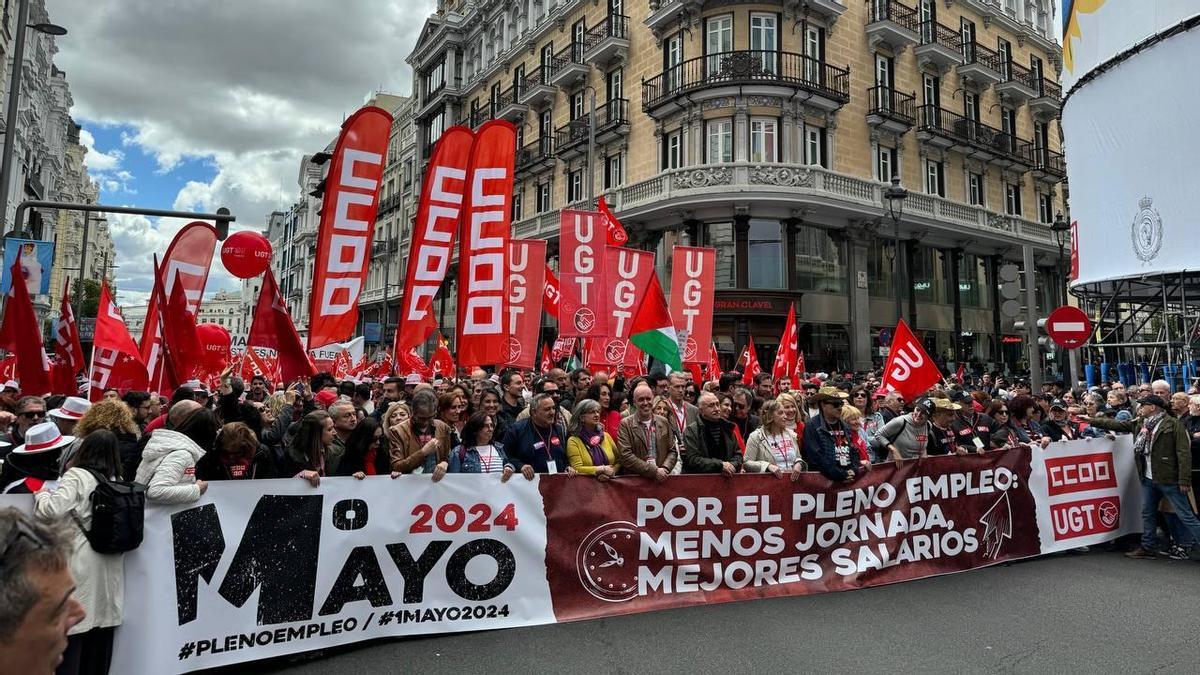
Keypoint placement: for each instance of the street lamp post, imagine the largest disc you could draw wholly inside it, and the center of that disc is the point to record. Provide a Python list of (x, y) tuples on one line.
[(895, 195), (14, 93), (1061, 230)]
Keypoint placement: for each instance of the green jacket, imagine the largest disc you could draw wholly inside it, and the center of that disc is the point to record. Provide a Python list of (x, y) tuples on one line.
[(1170, 449)]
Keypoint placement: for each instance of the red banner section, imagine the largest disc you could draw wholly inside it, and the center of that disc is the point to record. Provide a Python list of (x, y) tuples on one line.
[(909, 370), (633, 547), (693, 277), (627, 273), (526, 268), (582, 306), (116, 362), (347, 225), (442, 195), (551, 294), (483, 248)]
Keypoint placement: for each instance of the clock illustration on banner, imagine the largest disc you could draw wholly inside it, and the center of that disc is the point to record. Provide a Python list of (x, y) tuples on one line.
[(607, 561)]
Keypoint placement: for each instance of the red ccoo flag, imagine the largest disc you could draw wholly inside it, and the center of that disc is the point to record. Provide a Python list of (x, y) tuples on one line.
[(785, 358), (20, 334), (116, 360), (909, 369), (272, 327), (752, 368)]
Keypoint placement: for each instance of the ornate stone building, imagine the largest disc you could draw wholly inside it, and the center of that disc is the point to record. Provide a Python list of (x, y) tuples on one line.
[(770, 131)]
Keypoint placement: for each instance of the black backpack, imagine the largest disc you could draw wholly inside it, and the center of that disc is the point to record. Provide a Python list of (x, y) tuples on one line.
[(117, 515)]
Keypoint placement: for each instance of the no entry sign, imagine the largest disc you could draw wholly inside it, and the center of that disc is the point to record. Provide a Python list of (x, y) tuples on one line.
[(1069, 327)]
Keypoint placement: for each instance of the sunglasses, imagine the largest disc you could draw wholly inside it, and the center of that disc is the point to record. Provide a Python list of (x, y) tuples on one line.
[(1001, 412), (836, 404), (33, 414)]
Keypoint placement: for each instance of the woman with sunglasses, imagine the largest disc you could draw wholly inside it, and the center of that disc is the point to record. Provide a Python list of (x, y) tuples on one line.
[(1006, 433), (907, 436), (479, 452), (861, 398)]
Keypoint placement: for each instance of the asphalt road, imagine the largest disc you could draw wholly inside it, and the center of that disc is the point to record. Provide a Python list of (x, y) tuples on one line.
[(1093, 613)]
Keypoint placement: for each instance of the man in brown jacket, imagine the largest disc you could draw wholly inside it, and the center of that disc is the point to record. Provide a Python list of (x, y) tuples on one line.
[(646, 443), (424, 440)]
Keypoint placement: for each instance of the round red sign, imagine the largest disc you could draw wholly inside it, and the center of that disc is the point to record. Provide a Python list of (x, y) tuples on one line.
[(1069, 327)]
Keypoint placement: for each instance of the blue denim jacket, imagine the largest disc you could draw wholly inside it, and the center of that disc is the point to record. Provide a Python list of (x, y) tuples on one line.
[(467, 460)]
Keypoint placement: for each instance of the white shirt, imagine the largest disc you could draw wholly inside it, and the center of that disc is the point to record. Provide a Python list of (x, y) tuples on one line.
[(489, 461)]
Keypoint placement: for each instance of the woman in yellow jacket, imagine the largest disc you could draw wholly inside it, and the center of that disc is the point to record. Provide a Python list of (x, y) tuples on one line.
[(590, 449)]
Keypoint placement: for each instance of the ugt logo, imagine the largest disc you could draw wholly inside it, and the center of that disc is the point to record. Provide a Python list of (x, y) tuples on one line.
[(908, 359)]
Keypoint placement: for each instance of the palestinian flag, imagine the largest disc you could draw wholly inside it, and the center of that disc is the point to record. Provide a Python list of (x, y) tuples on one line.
[(652, 330)]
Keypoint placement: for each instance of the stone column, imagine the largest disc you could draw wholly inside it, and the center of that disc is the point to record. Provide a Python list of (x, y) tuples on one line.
[(741, 244), (741, 132), (858, 238), (955, 258)]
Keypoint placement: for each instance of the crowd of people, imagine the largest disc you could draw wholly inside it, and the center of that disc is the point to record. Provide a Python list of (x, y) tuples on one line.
[(585, 424)]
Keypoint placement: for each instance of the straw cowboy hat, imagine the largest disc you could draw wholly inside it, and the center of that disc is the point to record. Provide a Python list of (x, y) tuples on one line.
[(828, 394)]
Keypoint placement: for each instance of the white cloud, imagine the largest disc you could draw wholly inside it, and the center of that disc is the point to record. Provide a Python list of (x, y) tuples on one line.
[(95, 160), (249, 87)]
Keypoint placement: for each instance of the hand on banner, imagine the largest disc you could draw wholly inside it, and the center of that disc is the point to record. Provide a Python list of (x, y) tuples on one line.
[(396, 474), (312, 477), (359, 475), (508, 473), (727, 469), (527, 471), (203, 485), (774, 469), (849, 476), (661, 474), (1044, 442), (604, 473), (797, 470), (439, 471)]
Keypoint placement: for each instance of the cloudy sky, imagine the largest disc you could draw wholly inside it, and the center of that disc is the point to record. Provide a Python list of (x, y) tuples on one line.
[(197, 104)]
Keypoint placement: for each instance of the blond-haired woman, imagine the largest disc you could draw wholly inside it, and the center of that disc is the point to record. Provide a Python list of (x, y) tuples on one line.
[(791, 413), (854, 420), (113, 415), (774, 447)]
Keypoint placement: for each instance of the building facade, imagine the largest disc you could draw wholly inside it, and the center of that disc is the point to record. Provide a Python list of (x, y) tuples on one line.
[(72, 259), (770, 131)]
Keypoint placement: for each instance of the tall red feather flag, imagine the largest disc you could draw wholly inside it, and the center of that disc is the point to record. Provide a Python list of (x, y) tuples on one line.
[(617, 236), (20, 333), (347, 226), (66, 335), (785, 357), (483, 247), (187, 263), (438, 215), (272, 327), (752, 368), (116, 361)]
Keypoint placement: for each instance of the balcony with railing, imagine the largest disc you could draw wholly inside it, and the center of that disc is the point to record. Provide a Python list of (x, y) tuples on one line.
[(509, 106), (475, 118), (568, 67), (536, 157), (891, 23), (981, 65), (1048, 100), (941, 46), (1019, 84), (612, 121), (537, 90), (1047, 165), (945, 129), (748, 72), (891, 110), (607, 40)]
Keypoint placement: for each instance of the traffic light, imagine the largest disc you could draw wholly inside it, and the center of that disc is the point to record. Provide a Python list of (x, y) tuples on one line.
[(1038, 334)]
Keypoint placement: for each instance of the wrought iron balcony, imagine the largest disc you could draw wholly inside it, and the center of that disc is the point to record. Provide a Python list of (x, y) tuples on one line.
[(537, 89), (1048, 100), (509, 106), (891, 110), (753, 71), (536, 157), (941, 46), (607, 40), (981, 64), (1048, 166), (945, 129), (1019, 83), (612, 120), (892, 23), (475, 118), (568, 66)]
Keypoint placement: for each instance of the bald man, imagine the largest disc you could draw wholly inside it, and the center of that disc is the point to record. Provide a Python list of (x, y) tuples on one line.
[(708, 443)]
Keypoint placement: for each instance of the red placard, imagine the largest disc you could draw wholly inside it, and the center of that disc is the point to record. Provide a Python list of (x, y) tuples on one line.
[(526, 268), (627, 273), (1069, 327), (583, 307), (693, 277), (483, 248), (347, 225), (438, 214)]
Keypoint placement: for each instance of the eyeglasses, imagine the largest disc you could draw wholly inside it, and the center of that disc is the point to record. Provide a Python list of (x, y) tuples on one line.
[(1001, 412), (21, 529), (33, 414)]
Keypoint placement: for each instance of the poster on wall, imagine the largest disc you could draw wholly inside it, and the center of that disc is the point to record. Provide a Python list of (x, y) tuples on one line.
[(37, 257)]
